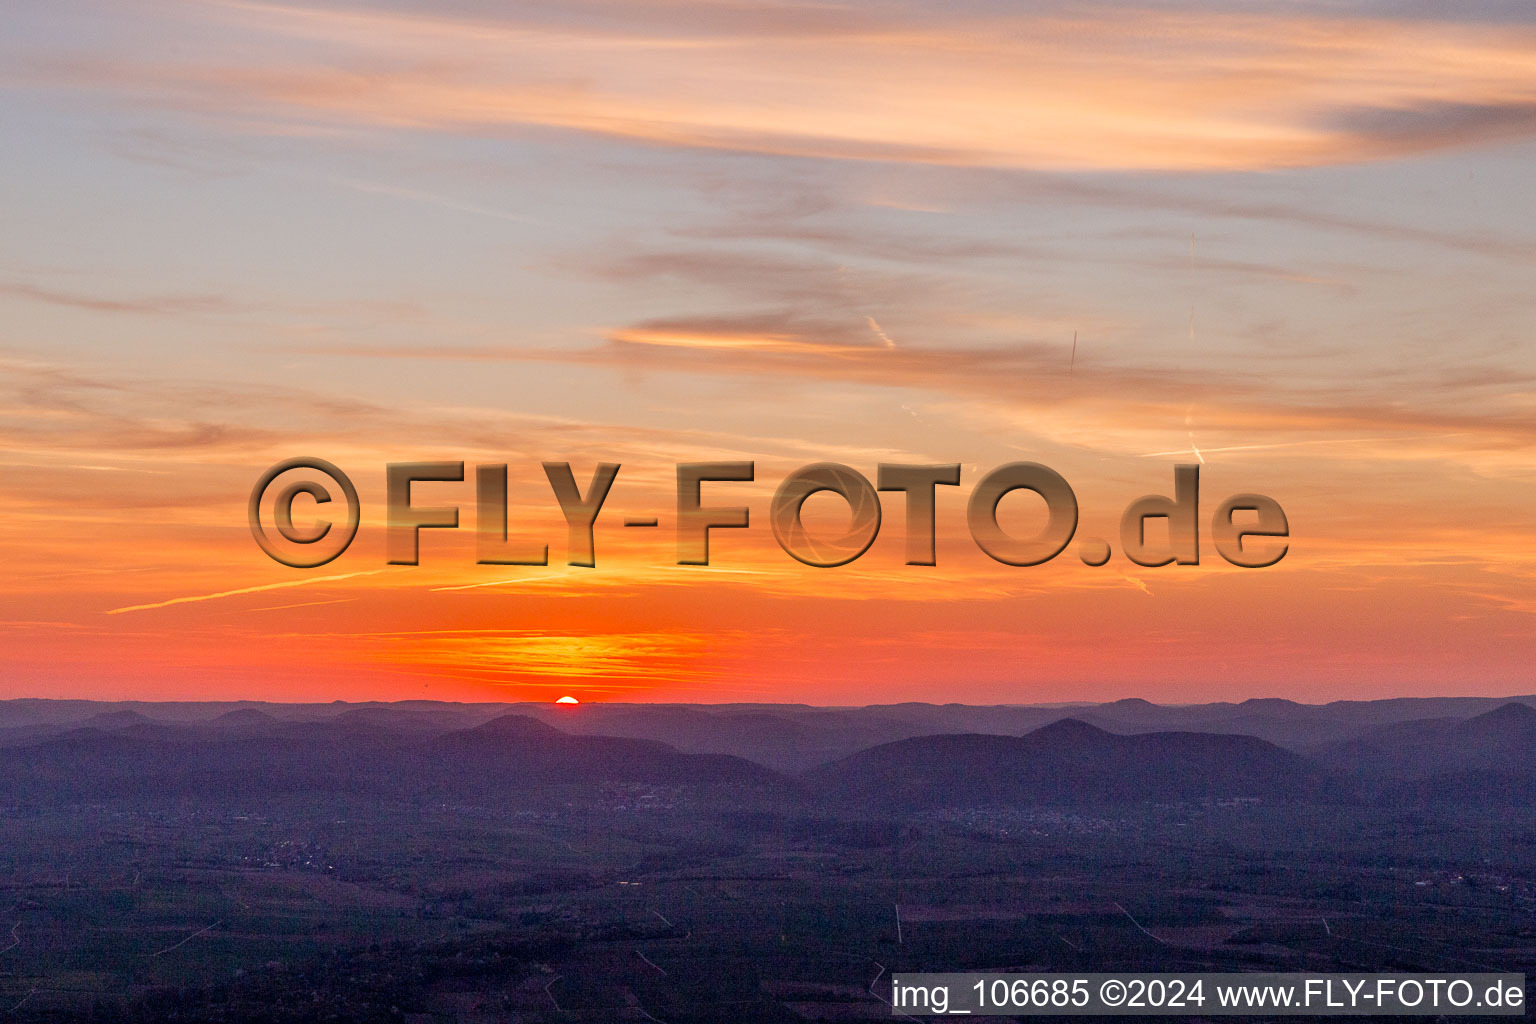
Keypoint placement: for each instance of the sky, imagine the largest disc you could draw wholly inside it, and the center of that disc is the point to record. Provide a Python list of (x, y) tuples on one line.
[(1294, 244)]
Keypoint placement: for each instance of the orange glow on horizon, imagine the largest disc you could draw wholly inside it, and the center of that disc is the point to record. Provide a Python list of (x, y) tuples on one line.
[(1295, 247)]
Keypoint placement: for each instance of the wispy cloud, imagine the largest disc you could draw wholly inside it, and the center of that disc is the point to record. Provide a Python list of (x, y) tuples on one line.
[(430, 198), (192, 304), (1031, 378), (1219, 90), (154, 305), (767, 333)]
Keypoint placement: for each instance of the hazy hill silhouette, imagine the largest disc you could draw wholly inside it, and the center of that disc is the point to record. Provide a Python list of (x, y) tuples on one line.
[(793, 738), (118, 720), (1128, 749), (510, 759), (244, 718), (518, 751), (786, 737), (1067, 762), (1501, 742)]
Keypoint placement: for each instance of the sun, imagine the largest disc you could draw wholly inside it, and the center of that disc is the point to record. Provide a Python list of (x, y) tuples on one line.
[(567, 700)]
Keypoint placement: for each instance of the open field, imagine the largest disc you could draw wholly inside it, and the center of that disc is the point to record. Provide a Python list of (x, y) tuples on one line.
[(298, 911)]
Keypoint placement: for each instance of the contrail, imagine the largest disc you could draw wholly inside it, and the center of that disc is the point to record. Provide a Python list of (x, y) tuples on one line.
[(880, 332), (1260, 447), (242, 590), (1140, 585), (430, 198), (302, 604)]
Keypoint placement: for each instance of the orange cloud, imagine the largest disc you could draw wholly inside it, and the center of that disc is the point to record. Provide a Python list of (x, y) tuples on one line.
[(759, 334), (1120, 89), (607, 662)]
